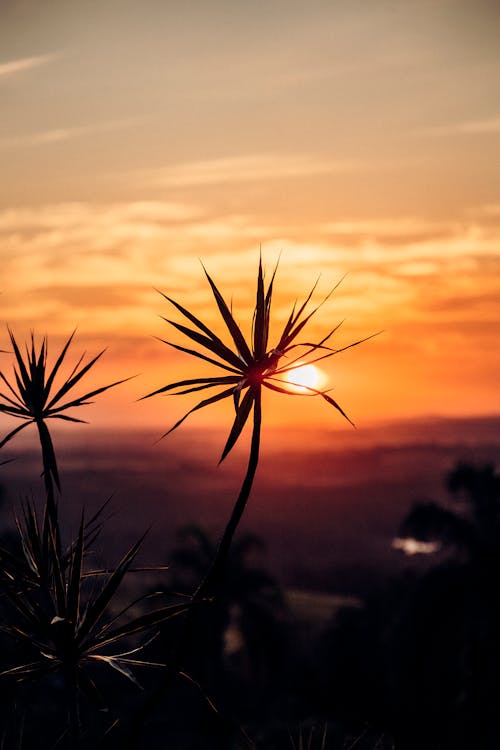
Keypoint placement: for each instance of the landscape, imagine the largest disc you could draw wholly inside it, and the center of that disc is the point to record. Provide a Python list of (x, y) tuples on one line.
[(319, 565), (352, 516), (249, 367)]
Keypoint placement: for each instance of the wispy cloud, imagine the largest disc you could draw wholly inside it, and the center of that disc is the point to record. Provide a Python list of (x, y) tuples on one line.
[(403, 227), (467, 127), (67, 216), (488, 210), (252, 167), (24, 63), (59, 135)]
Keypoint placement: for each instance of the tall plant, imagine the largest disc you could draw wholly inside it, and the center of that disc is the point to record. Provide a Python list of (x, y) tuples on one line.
[(249, 367)]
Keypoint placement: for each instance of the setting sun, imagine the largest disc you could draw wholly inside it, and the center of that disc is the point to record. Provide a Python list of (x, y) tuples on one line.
[(304, 377)]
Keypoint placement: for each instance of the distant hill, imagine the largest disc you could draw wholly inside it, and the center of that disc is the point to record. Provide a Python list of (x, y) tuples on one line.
[(328, 503)]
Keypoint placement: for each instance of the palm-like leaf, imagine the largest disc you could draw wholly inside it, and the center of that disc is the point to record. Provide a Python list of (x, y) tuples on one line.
[(31, 395), (253, 366)]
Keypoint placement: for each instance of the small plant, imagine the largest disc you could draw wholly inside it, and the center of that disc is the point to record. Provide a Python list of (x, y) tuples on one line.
[(31, 399), (59, 622)]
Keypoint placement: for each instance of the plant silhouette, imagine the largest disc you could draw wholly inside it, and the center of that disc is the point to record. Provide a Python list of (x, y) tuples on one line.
[(251, 367), (32, 400), (65, 619), (60, 623), (53, 608)]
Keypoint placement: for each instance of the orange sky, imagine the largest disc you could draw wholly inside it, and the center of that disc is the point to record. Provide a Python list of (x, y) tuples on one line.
[(352, 137)]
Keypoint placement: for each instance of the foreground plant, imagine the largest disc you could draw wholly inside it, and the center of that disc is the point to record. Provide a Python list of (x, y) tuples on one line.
[(31, 399), (251, 366), (306, 743), (61, 625)]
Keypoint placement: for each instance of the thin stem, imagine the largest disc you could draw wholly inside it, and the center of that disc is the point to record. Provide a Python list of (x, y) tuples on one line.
[(50, 521), (73, 707), (47, 475), (210, 583), (47, 461), (216, 572)]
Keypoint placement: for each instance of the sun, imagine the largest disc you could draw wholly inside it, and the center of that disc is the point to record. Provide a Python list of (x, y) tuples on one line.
[(304, 377)]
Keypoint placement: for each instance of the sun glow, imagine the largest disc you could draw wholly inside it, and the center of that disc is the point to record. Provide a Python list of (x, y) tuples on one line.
[(304, 377)]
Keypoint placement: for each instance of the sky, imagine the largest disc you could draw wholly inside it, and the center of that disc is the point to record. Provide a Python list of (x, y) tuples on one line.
[(349, 138)]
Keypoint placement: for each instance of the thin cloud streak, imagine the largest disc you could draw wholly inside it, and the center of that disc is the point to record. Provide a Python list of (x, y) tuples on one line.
[(59, 135), (468, 127), (251, 167), (25, 63), (388, 227)]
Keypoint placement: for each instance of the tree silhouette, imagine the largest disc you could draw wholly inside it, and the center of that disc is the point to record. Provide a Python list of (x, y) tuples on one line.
[(421, 659), (244, 616), (449, 639), (472, 527)]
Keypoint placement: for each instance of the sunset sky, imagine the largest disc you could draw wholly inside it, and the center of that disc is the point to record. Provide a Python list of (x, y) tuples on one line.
[(352, 137)]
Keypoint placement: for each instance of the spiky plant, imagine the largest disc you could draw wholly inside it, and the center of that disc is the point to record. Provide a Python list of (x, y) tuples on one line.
[(33, 398), (63, 626), (306, 743), (251, 366)]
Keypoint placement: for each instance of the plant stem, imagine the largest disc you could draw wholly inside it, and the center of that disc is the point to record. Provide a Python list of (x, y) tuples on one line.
[(51, 521), (212, 579), (73, 707), (210, 583), (47, 453)]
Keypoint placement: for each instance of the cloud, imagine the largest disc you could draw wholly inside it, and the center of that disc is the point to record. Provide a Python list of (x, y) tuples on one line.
[(388, 229), (468, 127), (473, 303), (252, 167), (97, 264), (25, 63), (488, 210), (59, 135), (67, 215)]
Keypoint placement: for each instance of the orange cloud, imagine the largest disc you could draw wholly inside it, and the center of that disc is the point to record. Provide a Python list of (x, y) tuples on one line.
[(433, 288)]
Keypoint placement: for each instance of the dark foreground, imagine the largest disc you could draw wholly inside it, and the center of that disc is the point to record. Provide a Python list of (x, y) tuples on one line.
[(324, 636)]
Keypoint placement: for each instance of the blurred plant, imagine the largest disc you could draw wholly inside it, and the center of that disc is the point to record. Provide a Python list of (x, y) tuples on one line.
[(60, 623), (249, 602), (31, 400), (252, 366), (194, 553), (307, 744)]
